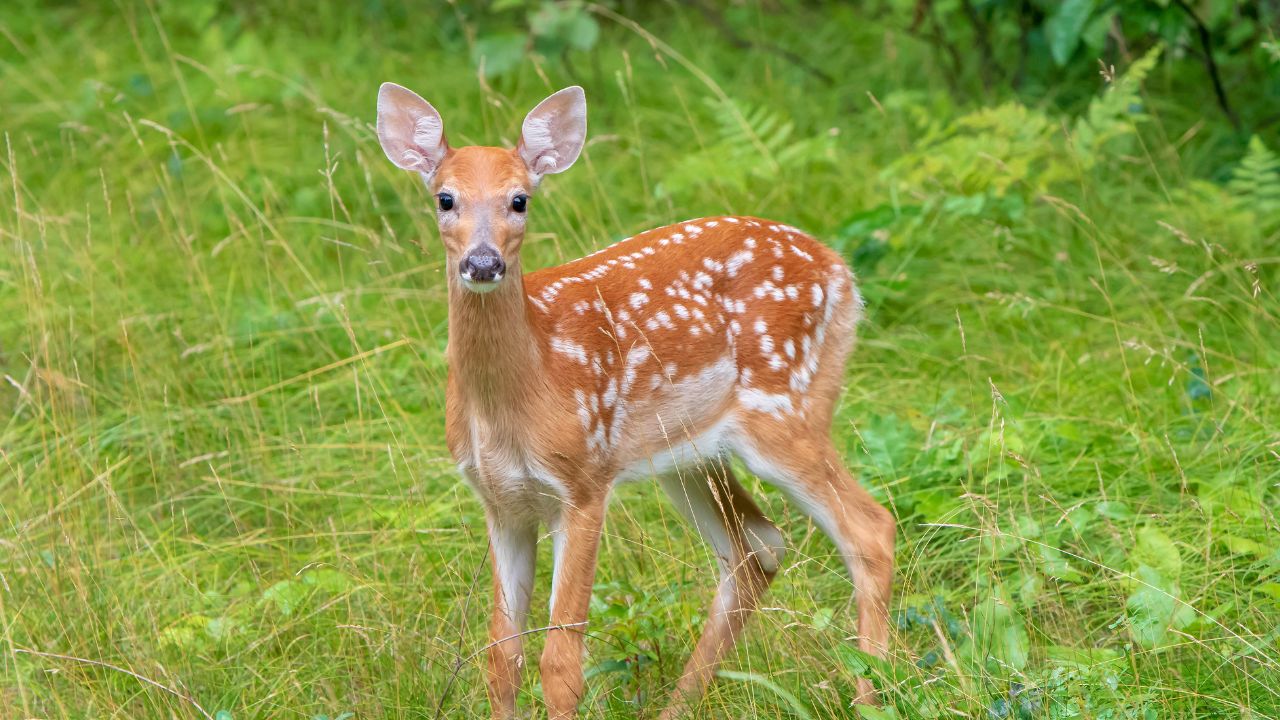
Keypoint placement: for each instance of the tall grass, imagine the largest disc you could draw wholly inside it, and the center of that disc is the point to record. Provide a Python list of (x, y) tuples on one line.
[(223, 483)]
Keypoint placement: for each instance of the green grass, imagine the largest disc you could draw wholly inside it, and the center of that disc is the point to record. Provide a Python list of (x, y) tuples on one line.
[(223, 481)]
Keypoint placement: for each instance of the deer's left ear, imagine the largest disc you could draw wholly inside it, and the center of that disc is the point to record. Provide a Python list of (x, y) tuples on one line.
[(553, 133)]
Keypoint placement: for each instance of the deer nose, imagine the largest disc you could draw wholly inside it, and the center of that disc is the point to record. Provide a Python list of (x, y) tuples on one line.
[(482, 264)]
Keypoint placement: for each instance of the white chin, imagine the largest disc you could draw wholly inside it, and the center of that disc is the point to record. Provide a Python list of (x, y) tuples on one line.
[(481, 287)]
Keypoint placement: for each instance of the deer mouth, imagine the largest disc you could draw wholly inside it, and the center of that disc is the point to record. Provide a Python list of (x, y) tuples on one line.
[(481, 286)]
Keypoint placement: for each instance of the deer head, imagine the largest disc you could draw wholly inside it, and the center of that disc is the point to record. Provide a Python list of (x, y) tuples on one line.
[(481, 193)]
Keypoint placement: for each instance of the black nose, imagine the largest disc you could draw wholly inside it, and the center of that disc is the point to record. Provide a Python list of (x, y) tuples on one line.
[(483, 265)]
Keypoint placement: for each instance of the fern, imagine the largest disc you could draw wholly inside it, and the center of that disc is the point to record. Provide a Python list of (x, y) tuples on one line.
[(1255, 182), (752, 144), (1113, 114), (999, 151)]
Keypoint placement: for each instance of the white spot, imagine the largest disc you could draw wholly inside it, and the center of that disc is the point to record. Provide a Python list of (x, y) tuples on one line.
[(801, 253), (737, 260), (761, 401), (760, 327), (570, 348), (789, 347), (644, 283), (639, 300)]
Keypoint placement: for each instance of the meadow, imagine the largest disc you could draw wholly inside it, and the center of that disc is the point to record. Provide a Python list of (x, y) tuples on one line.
[(224, 490)]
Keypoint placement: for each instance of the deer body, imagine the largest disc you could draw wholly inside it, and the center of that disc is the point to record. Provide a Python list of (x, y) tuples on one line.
[(659, 356)]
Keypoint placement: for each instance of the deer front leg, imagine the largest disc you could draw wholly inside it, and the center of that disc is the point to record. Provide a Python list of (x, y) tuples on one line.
[(512, 549), (577, 538)]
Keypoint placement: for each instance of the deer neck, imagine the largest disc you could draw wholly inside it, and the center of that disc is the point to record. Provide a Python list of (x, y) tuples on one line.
[(494, 347)]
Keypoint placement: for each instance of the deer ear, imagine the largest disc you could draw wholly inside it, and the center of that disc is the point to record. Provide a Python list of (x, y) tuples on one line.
[(410, 130), (553, 133)]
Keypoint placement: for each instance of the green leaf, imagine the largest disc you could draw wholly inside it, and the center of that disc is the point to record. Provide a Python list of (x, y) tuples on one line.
[(793, 703), (326, 579), (1095, 32), (606, 667), (1054, 564), (1237, 545), (822, 618), (871, 712), (1154, 549), (499, 53), (1114, 509), (1064, 27), (286, 595), (582, 31), (999, 632), (1150, 608)]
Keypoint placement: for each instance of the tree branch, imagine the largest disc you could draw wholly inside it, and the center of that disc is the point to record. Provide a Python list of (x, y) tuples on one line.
[(713, 16), (1206, 44)]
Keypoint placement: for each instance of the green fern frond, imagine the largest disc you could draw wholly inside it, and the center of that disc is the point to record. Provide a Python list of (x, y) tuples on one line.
[(1114, 113), (1255, 182), (752, 143)]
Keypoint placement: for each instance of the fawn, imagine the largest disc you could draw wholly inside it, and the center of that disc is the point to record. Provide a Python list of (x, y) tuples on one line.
[(659, 356)]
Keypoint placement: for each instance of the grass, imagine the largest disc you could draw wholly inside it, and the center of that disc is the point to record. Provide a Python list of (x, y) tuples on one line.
[(224, 487)]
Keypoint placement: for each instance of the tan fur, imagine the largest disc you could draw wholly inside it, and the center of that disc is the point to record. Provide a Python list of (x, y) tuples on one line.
[(660, 355)]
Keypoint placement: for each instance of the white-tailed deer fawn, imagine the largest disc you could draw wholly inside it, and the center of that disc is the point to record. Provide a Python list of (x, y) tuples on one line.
[(659, 356)]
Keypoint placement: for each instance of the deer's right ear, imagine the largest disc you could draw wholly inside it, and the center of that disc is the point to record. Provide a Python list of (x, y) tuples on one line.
[(410, 130)]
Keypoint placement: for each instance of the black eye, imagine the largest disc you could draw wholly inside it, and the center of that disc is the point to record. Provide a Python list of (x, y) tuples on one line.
[(446, 201), (519, 203)]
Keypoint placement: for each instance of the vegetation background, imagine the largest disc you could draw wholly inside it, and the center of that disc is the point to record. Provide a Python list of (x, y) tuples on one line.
[(224, 491)]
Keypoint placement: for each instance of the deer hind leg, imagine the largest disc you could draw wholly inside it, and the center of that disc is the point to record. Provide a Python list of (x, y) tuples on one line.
[(748, 549), (807, 468)]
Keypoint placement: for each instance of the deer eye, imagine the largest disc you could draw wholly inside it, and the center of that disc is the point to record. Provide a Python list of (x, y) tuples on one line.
[(446, 201), (519, 203)]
